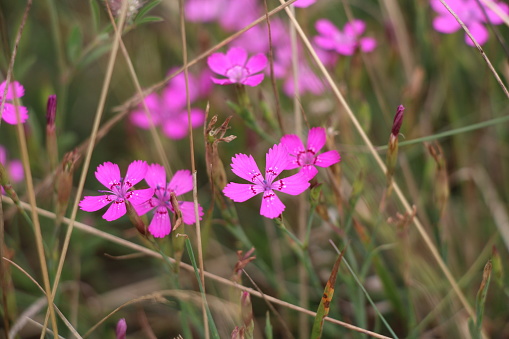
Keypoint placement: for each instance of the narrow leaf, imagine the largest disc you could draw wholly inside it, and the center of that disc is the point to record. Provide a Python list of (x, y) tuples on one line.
[(143, 11), (148, 19), (324, 307)]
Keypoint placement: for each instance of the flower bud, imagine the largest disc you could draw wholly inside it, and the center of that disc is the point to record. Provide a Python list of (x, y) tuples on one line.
[(121, 329), (135, 218), (392, 151), (398, 120), (51, 137)]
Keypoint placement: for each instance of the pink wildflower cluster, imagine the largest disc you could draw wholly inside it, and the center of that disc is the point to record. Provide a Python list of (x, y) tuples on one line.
[(156, 198), (169, 111), (14, 91), (290, 153), (474, 14)]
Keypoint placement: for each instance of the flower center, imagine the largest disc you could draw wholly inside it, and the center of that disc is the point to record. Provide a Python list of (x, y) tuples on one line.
[(237, 74), (306, 158)]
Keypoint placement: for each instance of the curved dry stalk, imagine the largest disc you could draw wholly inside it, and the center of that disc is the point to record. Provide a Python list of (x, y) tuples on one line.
[(36, 307), (420, 228), (479, 48), (139, 91), (88, 156), (91, 230)]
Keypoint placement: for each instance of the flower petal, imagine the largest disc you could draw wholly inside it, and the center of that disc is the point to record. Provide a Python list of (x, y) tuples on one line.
[(148, 205), (108, 174), (95, 203), (156, 176), (135, 173), (237, 56), (138, 197), (160, 225), (182, 182), (277, 160), (324, 42), (272, 206), (116, 210), (19, 90), (326, 28), (479, 32), (219, 63), (16, 171), (187, 209), (174, 129), (327, 159), (316, 139), (241, 192), (446, 24), (245, 167), (295, 184), (221, 81), (368, 44), (254, 80), (354, 28), (256, 63), (294, 146), (10, 115), (303, 3)]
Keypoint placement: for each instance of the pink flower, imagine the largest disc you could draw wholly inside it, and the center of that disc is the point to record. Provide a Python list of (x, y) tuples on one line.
[(182, 182), (237, 68), (119, 189), (203, 10), (303, 3), (121, 329), (343, 42), (308, 157), (9, 113), (277, 159), (169, 110), (472, 15), (14, 167)]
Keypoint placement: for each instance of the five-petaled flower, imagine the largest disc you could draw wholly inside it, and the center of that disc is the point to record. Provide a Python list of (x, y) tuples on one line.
[(343, 42), (119, 189), (236, 67), (308, 157), (182, 182), (277, 159), (472, 15), (15, 90)]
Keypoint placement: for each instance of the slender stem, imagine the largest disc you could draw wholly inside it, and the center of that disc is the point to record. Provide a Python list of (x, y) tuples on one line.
[(420, 228), (93, 136)]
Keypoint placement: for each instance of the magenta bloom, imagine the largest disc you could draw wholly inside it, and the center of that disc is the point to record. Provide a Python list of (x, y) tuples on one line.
[(119, 189), (14, 167), (121, 329), (472, 15), (343, 42), (182, 182), (169, 110), (237, 69), (9, 113), (303, 3), (277, 159), (308, 157)]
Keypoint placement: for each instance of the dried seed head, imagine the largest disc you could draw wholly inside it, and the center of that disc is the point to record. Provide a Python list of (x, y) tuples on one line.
[(133, 6)]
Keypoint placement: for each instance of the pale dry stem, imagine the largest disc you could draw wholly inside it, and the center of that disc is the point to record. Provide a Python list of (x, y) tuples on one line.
[(94, 231), (367, 141)]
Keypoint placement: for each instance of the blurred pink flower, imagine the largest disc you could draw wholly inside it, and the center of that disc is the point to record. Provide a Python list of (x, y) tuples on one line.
[(277, 159), (169, 111), (237, 14), (119, 189), (9, 113), (308, 157), (472, 15), (344, 42), (237, 68), (203, 10), (121, 329), (14, 167), (182, 182), (303, 3)]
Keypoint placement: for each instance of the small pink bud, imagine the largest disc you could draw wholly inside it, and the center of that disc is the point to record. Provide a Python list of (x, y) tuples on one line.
[(121, 329), (398, 120), (51, 110)]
